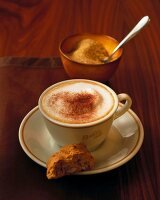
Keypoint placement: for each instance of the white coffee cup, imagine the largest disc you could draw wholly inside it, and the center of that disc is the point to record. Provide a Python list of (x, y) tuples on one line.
[(81, 111)]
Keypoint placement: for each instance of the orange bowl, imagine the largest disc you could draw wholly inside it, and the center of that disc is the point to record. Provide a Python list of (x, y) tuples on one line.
[(99, 72)]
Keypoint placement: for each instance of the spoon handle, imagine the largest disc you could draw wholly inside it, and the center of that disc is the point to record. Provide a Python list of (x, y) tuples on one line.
[(141, 24)]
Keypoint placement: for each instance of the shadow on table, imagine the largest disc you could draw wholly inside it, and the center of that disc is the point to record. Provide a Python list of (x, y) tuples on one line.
[(108, 185)]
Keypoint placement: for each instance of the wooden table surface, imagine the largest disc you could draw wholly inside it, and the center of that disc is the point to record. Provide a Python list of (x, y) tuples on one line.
[(30, 32)]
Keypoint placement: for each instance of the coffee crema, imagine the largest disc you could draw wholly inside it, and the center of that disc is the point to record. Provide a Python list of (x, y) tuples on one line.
[(77, 102)]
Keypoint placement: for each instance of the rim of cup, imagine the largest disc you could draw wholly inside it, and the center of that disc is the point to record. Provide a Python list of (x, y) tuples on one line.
[(81, 125)]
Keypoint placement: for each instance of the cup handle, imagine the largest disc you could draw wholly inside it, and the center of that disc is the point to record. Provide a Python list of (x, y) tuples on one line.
[(126, 105)]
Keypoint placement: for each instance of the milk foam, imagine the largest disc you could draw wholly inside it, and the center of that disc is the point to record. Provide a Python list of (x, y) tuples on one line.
[(77, 102)]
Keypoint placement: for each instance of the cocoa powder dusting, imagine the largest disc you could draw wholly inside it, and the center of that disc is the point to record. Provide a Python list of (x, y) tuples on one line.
[(76, 106), (80, 103)]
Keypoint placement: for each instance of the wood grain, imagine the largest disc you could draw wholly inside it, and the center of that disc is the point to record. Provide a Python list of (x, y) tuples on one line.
[(36, 29), (32, 30)]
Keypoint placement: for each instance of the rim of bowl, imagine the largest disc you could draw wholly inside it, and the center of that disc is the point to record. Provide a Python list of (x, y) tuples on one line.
[(81, 34), (84, 125)]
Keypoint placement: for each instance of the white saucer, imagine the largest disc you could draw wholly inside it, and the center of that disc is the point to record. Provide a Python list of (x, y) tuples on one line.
[(121, 144)]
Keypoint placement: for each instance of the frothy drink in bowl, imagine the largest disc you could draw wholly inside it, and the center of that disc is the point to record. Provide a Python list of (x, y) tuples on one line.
[(81, 111)]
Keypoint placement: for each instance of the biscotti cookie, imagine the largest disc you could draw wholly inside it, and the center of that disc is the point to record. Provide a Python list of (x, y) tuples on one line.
[(69, 160)]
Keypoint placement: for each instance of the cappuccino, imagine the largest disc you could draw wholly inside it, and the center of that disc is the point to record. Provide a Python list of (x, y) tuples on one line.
[(77, 102)]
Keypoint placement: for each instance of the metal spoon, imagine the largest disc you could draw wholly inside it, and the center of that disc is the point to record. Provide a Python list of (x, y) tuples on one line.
[(141, 24)]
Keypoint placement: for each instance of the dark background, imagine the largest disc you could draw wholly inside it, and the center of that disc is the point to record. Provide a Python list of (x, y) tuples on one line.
[(34, 28)]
